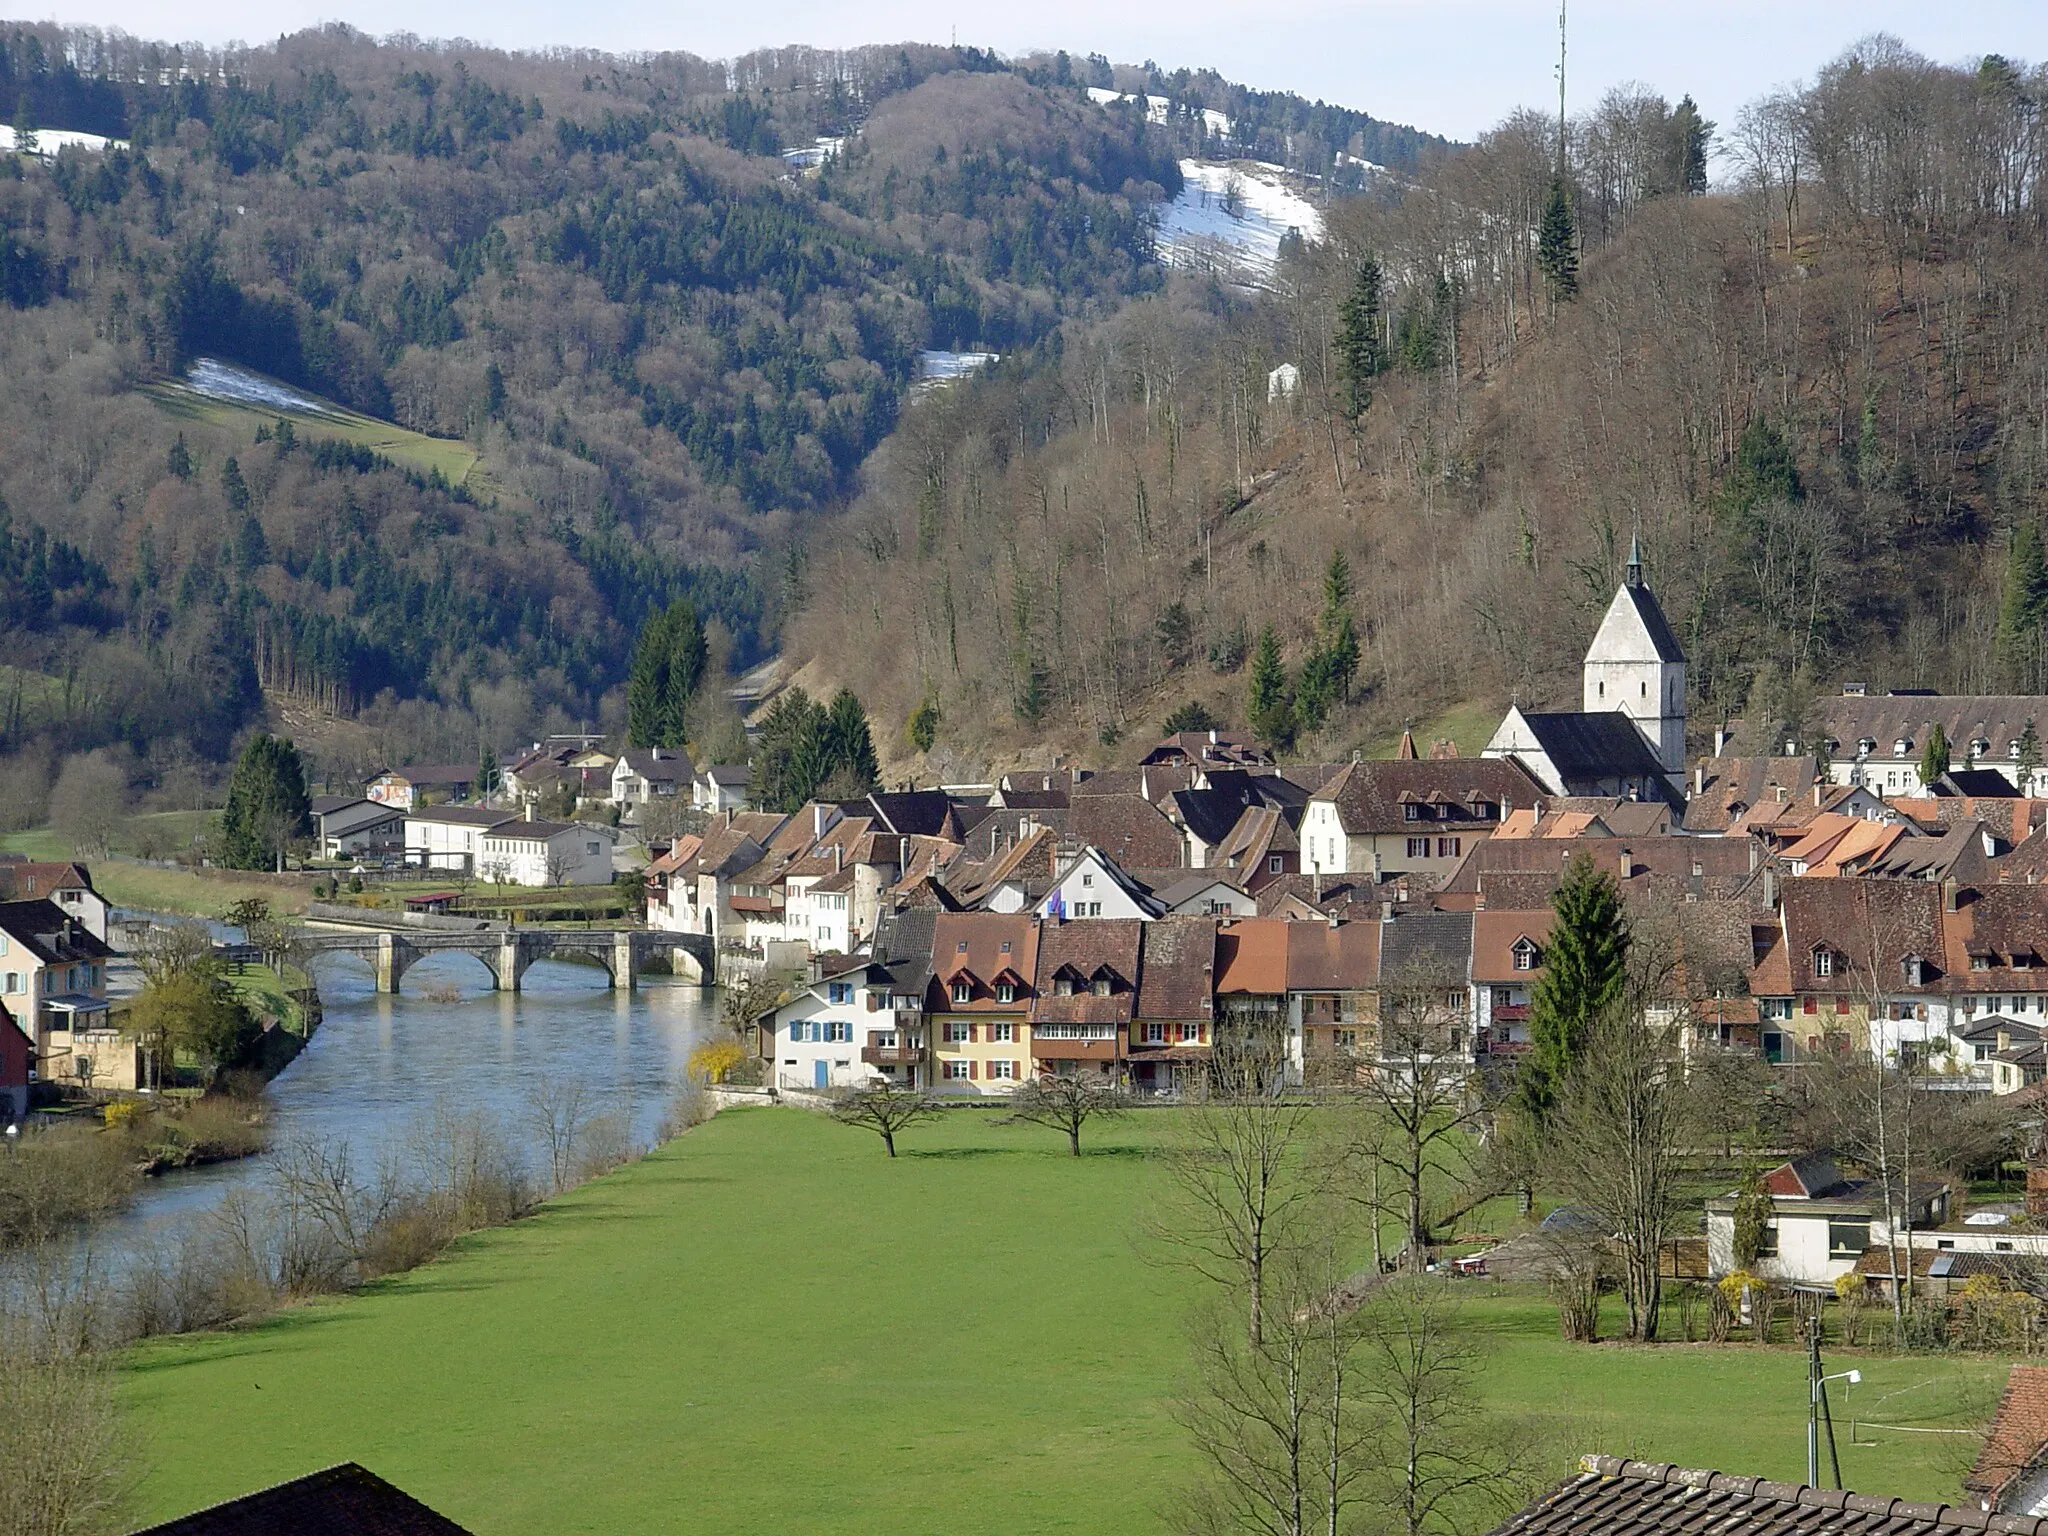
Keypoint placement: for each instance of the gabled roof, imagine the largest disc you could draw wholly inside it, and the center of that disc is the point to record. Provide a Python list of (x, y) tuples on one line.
[(1583, 747), (459, 815), (910, 812), (341, 1501), (49, 933), (1333, 957), (986, 945), (1251, 956), (657, 765), (1495, 934), (1082, 950), (1176, 981), (32, 880), (903, 942), (1634, 613), (1612, 1497), (1812, 1177), (1372, 797), (1427, 944), (1129, 828)]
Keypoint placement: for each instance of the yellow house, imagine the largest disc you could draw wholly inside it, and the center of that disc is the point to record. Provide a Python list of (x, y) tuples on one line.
[(979, 1011)]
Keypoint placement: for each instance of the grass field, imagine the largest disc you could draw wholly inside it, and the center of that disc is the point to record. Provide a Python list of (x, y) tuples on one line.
[(1469, 726), (453, 457), (768, 1326), (153, 888)]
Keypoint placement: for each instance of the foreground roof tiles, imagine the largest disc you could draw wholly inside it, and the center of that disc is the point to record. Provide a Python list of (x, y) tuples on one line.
[(1612, 1497)]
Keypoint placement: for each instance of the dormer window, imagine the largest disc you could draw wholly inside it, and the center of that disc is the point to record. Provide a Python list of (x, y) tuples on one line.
[(1823, 960), (1915, 969), (1063, 986), (1864, 746), (2013, 749), (1980, 962), (963, 992), (1101, 986), (1978, 747), (1006, 992), (1903, 747), (2023, 959), (1523, 954), (1411, 812)]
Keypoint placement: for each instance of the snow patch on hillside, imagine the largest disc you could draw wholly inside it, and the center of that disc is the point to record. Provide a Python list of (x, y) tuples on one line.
[(50, 140), (1234, 216), (936, 367), (1155, 108), (224, 381)]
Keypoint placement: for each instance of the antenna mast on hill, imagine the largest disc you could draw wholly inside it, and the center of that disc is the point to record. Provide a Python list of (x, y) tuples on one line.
[(1560, 83)]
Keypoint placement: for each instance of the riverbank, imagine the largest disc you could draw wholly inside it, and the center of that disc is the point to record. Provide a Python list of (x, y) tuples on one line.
[(769, 1325)]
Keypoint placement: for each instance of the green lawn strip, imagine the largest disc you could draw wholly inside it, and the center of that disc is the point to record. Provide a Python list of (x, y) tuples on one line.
[(158, 888), (768, 1326), (455, 458)]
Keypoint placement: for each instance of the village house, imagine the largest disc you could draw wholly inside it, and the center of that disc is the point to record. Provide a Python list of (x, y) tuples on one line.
[(720, 787), (1821, 1222), (1507, 960), (348, 827), (1251, 988), (1333, 976), (449, 839), (69, 885), (422, 784), (1089, 884), (819, 1039), (53, 981), (1174, 1010), (981, 994), (1879, 740), (544, 853), (1394, 817), (1084, 997), (643, 774)]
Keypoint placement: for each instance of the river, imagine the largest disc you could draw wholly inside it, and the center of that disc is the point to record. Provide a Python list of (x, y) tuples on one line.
[(379, 1063)]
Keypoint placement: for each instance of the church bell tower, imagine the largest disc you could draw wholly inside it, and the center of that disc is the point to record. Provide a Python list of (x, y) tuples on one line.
[(1635, 665)]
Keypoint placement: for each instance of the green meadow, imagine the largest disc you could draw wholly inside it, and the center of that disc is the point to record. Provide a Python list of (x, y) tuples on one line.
[(769, 1326)]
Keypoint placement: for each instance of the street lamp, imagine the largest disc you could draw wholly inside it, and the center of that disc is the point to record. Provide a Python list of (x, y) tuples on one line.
[(1817, 1406)]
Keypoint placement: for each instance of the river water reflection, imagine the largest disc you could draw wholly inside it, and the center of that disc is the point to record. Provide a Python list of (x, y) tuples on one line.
[(379, 1063)]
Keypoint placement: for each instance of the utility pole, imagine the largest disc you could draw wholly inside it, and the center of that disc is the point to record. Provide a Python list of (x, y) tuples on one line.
[(1817, 1405)]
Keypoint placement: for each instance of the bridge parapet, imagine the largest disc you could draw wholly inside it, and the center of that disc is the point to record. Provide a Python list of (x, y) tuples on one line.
[(509, 953)]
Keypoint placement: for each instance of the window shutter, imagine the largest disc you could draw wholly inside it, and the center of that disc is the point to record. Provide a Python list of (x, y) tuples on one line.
[(973, 1031), (970, 1067)]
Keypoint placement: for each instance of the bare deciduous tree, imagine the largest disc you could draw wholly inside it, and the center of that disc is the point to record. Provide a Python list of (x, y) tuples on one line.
[(885, 1109), (67, 1463), (559, 1114), (1065, 1104)]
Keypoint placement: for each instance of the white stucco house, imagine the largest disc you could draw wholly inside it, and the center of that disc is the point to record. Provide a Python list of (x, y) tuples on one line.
[(816, 1040), (449, 839), (1091, 884), (543, 853), (1820, 1222)]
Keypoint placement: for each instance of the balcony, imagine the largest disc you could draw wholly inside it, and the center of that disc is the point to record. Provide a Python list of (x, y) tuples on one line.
[(1073, 1050), (891, 1055)]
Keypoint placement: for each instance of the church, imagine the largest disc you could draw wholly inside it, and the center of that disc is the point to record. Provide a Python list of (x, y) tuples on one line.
[(1629, 739)]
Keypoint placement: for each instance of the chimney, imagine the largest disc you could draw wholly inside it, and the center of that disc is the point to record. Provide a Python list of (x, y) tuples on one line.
[(529, 810), (1699, 778), (838, 857), (1212, 738), (1628, 863), (1816, 794), (817, 822), (1951, 895), (1721, 741), (1386, 913), (1771, 888)]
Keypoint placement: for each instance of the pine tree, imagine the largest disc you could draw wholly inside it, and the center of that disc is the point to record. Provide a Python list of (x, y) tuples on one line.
[(849, 748), (1934, 757), (2024, 601), (1359, 353), (1336, 632), (1557, 245), (1176, 633), (1690, 136), (233, 486), (1270, 708), (668, 665), (179, 460), (266, 805), (487, 774), (790, 757), (1584, 968)]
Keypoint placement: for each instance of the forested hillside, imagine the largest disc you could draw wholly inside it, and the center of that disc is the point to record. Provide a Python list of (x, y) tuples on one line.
[(1819, 392), (673, 347)]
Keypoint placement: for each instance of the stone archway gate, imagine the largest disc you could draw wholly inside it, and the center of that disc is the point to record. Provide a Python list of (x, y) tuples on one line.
[(507, 953)]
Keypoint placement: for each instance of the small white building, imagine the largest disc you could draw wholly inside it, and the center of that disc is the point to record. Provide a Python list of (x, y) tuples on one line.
[(642, 774), (449, 838), (720, 787), (819, 1036), (545, 853), (1820, 1222)]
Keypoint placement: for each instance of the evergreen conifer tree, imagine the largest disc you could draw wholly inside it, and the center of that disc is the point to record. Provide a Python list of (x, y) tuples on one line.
[(233, 486), (487, 774), (1270, 709), (1584, 968), (1557, 245), (266, 806), (1690, 136), (1934, 757), (1359, 352), (179, 460), (849, 748), (924, 723), (668, 664), (2023, 603)]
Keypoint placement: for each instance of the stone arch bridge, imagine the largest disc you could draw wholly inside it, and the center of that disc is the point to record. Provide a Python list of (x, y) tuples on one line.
[(507, 953)]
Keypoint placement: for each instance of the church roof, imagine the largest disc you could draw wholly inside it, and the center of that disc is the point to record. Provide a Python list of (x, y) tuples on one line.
[(1596, 746)]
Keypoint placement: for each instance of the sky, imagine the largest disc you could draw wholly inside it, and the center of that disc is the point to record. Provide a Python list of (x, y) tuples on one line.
[(1449, 66)]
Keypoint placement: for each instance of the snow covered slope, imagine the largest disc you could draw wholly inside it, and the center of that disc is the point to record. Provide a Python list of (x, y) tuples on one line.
[(1232, 217), (50, 140)]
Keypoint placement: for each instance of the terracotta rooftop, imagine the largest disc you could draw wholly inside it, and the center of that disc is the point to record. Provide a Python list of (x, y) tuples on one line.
[(1612, 1497)]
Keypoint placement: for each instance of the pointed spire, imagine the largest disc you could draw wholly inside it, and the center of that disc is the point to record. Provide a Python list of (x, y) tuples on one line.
[(1406, 751), (1635, 560)]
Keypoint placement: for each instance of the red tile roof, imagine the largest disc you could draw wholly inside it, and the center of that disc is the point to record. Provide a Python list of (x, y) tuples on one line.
[(2019, 1433)]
